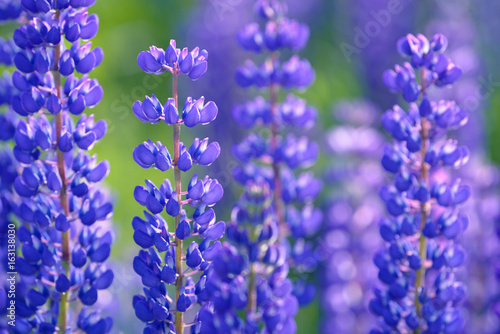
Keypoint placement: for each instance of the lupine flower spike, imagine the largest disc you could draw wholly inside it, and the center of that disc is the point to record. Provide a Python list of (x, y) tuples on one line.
[(166, 258), (64, 242), (421, 256), (9, 10), (274, 157), (250, 272), (352, 211), (480, 273)]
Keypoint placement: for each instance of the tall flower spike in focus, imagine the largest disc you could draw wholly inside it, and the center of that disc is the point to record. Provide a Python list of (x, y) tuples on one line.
[(64, 241), (172, 256), (419, 263), (250, 273), (274, 157)]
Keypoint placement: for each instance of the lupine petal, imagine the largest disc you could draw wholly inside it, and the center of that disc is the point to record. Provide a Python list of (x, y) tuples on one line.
[(208, 113), (183, 231), (104, 280), (172, 207), (215, 232), (208, 156), (185, 162), (147, 62), (99, 172), (62, 283)]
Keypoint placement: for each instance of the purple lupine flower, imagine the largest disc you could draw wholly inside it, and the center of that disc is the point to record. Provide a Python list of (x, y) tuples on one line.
[(64, 241), (217, 26), (10, 10), (171, 256), (274, 157), (250, 272), (8, 201), (486, 25), (352, 213), (484, 207), (419, 263), (8, 50)]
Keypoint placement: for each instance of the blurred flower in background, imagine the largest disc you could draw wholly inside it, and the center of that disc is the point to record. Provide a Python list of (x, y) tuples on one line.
[(352, 211), (472, 92)]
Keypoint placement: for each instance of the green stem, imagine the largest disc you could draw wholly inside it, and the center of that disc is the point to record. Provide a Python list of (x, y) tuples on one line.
[(277, 193), (274, 146), (252, 300), (424, 207), (63, 197), (179, 326)]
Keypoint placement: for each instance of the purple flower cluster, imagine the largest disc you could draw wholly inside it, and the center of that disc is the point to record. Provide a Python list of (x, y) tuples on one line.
[(8, 50), (273, 157), (10, 10), (483, 177), (8, 200), (352, 211), (425, 275), (164, 259), (157, 61), (250, 272), (64, 241), (418, 265)]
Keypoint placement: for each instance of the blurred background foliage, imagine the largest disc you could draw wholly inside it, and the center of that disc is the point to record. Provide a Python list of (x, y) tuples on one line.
[(128, 27)]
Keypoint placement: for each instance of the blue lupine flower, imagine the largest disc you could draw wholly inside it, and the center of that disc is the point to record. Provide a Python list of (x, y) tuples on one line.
[(10, 10), (273, 157), (161, 260), (483, 209), (8, 199), (249, 273), (352, 211), (421, 256), (64, 240), (157, 61)]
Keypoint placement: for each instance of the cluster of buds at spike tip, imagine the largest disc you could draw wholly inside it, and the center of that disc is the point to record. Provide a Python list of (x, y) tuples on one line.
[(157, 61)]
